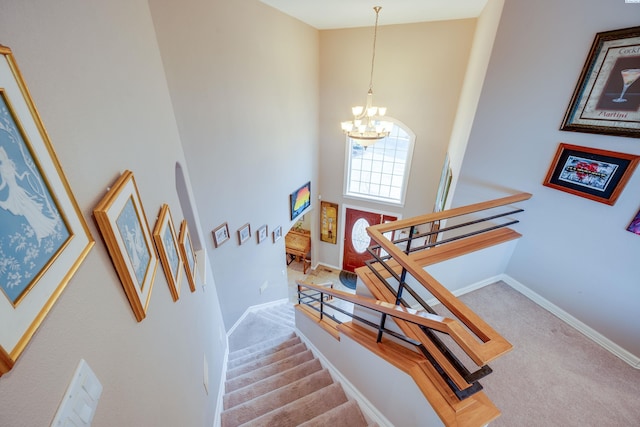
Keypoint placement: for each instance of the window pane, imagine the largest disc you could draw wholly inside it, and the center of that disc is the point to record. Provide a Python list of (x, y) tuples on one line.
[(378, 171)]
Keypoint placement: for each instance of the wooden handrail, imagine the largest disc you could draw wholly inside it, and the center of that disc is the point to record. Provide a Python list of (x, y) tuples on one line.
[(450, 213), (451, 327), (493, 344)]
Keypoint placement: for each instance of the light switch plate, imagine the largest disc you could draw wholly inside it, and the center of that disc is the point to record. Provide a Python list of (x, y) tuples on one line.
[(80, 400)]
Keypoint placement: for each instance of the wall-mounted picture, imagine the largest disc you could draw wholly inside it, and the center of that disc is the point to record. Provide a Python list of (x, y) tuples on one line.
[(596, 174), (244, 233), (606, 99), (43, 235), (188, 254), (328, 222), (262, 233), (166, 240), (220, 234), (277, 233), (300, 200), (123, 223), (634, 227)]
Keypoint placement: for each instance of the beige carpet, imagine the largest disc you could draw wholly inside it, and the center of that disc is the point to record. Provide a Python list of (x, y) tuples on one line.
[(272, 379), (555, 376)]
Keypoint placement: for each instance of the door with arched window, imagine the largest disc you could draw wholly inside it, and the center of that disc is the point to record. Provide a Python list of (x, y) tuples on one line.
[(356, 239)]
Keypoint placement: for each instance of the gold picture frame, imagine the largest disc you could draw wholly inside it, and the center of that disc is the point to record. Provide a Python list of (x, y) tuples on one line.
[(328, 222), (123, 223), (188, 255), (164, 234), (43, 235)]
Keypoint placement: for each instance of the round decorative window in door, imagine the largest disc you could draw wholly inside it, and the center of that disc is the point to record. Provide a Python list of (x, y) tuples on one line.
[(359, 236)]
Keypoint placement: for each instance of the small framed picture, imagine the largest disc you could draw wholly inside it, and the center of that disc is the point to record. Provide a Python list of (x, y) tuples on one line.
[(262, 233), (277, 233), (634, 227), (188, 254), (592, 173), (606, 99), (164, 234), (220, 234), (244, 233)]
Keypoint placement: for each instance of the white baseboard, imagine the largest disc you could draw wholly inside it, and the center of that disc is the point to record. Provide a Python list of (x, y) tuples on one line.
[(370, 411), (587, 331)]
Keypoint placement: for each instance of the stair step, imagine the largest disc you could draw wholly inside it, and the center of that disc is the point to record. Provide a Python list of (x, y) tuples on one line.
[(267, 371), (261, 345), (272, 383), (278, 318), (303, 409), (241, 360), (275, 399), (346, 415), (265, 360)]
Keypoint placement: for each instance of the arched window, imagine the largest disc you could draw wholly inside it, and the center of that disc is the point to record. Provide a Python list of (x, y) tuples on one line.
[(380, 171)]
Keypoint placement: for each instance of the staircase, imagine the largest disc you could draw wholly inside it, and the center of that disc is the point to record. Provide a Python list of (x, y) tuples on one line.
[(274, 380)]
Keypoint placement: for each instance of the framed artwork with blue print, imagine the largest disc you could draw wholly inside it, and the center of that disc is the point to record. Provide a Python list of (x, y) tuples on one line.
[(188, 255), (123, 223), (166, 240), (43, 236)]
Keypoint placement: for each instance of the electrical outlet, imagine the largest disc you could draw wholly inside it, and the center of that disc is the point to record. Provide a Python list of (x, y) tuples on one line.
[(264, 286)]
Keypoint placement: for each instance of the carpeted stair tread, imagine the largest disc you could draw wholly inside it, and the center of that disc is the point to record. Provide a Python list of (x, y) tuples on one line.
[(247, 358), (267, 371), (275, 399), (272, 383), (277, 318), (303, 409), (265, 360), (273, 342), (346, 415)]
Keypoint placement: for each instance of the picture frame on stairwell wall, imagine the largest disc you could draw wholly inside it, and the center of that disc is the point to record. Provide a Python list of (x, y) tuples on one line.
[(595, 174), (166, 238), (634, 226), (121, 219), (188, 254), (606, 99), (244, 233), (262, 233), (277, 233), (43, 236), (300, 200), (220, 234)]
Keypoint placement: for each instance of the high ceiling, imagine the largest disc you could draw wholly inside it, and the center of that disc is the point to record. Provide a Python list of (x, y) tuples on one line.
[(332, 14)]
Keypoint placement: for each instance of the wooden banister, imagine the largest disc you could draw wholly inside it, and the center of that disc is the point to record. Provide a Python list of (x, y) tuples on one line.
[(450, 213)]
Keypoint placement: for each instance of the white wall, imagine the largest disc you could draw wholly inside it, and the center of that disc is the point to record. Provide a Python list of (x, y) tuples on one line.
[(244, 84), (575, 252), (95, 74), (418, 76)]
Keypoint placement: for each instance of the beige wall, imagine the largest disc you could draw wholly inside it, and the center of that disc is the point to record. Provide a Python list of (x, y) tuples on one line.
[(243, 80), (418, 76), (575, 252), (95, 73)]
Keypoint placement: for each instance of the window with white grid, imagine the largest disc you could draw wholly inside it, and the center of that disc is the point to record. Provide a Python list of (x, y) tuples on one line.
[(380, 172)]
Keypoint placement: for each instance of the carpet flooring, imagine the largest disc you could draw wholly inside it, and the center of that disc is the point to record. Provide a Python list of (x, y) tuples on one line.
[(272, 378), (554, 376)]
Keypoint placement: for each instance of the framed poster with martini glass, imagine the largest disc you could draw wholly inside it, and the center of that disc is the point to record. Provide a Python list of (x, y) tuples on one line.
[(606, 99)]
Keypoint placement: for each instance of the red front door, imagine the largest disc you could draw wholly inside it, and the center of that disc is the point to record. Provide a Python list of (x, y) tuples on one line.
[(356, 239)]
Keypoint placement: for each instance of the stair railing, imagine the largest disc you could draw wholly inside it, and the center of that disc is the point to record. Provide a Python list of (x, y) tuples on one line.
[(401, 251)]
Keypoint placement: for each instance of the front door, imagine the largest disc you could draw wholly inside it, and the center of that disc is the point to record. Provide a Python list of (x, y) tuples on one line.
[(356, 239)]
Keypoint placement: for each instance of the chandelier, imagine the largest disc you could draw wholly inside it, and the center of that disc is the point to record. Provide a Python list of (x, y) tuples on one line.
[(368, 125)]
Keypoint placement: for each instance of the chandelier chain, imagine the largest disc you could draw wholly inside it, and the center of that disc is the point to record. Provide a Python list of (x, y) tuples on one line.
[(373, 56)]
